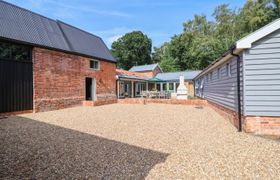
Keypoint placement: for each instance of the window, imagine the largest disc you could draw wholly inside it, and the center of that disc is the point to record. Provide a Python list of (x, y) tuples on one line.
[(218, 73), (171, 87), (158, 87), (139, 88), (228, 70), (94, 64), (15, 52), (164, 86), (211, 76)]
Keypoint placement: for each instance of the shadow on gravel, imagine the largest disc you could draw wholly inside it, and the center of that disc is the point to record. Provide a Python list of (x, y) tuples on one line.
[(32, 149)]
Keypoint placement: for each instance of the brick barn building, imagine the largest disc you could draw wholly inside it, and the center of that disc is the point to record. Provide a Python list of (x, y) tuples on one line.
[(48, 65)]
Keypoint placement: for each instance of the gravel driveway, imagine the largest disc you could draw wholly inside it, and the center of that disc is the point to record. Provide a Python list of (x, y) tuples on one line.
[(154, 141)]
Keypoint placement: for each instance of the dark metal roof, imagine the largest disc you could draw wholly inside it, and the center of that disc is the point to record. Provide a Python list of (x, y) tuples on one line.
[(25, 26), (83, 42), (149, 67)]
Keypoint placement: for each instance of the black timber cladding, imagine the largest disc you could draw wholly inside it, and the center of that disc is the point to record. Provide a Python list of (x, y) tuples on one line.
[(16, 77), (25, 26)]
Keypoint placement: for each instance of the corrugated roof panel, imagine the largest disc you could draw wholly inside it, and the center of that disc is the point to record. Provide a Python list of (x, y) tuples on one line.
[(86, 43)]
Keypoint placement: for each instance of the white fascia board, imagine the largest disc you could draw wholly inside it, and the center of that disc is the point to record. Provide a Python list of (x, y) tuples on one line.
[(247, 41)]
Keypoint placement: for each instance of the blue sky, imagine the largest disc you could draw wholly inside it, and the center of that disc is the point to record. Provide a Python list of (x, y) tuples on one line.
[(110, 19)]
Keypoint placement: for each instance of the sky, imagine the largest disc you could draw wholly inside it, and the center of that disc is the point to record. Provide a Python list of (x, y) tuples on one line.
[(111, 19)]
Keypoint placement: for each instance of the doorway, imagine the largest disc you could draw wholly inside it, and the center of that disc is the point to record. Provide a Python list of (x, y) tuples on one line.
[(90, 89)]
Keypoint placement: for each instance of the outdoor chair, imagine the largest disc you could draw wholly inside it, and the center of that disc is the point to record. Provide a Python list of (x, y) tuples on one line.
[(162, 95), (144, 94)]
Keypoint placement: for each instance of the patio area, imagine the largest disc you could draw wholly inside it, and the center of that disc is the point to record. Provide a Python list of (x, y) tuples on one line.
[(153, 141)]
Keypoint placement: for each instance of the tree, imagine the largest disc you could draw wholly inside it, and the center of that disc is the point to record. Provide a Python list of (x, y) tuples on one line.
[(132, 49), (203, 41), (276, 8)]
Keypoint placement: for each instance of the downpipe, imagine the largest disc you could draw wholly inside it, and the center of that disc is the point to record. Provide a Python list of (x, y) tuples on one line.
[(238, 89)]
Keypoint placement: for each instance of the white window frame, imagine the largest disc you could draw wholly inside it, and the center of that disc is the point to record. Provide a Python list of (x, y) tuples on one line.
[(94, 60), (219, 73), (228, 69), (169, 89)]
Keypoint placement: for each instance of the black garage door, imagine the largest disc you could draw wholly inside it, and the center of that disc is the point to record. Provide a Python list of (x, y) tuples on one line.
[(16, 79)]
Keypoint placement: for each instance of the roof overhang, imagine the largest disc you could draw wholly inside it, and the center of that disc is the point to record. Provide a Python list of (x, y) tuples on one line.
[(247, 41)]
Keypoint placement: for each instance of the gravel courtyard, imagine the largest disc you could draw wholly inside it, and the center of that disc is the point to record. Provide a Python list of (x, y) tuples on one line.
[(153, 141)]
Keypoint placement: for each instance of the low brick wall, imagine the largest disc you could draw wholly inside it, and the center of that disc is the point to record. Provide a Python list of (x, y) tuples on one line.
[(100, 102), (262, 125), (195, 102), (132, 101), (250, 124)]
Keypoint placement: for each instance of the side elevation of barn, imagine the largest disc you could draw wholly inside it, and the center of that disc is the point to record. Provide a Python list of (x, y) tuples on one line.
[(244, 83)]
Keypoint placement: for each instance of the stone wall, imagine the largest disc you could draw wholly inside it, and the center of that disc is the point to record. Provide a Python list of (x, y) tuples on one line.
[(59, 79)]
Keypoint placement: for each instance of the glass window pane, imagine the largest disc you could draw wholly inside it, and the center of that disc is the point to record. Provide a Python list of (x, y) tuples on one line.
[(158, 87), (164, 86), (16, 52), (5, 51), (94, 64), (171, 86)]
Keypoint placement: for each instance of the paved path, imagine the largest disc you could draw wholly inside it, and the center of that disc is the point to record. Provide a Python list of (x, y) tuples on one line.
[(153, 141)]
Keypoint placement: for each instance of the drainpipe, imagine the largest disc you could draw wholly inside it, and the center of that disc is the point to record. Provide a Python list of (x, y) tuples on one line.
[(238, 89)]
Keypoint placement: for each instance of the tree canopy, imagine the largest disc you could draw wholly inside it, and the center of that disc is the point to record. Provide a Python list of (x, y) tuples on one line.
[(202, 41), (132, 49)]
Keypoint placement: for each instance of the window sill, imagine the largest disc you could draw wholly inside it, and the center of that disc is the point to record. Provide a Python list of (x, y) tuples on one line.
[(94, 69)]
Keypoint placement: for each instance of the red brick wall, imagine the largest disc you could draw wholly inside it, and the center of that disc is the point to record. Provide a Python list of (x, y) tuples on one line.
[(156, 71), (59, 79), (250, 124), (262, 125), (194, 102)]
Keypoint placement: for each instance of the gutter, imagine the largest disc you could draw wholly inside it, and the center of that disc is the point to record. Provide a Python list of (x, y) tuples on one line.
[(238, 88)]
